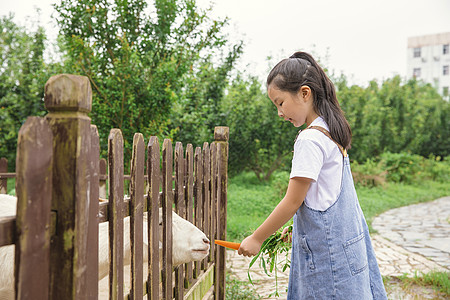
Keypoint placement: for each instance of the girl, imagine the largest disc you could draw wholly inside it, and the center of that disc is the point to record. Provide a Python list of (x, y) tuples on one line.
[(332, 255)]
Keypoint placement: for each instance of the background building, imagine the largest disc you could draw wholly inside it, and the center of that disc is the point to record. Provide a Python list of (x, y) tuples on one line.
[(429, 60)]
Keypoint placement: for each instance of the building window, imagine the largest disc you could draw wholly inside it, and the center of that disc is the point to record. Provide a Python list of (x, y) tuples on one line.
[(416, 72), (445, 49), (445, 91), (445, 70), (416, 52)]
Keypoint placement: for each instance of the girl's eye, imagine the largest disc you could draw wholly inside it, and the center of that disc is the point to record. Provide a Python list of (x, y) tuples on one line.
[(281, 103)]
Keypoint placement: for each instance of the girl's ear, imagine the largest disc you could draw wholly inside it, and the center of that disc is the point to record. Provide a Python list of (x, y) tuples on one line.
[(305, 91)]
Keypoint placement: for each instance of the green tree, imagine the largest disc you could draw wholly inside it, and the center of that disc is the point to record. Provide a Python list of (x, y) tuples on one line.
[(139, 61), (395, 116), (23, 74), (260, 140), (199, 109)]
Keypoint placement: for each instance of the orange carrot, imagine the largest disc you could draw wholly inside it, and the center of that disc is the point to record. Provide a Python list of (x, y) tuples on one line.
[(230, 245)]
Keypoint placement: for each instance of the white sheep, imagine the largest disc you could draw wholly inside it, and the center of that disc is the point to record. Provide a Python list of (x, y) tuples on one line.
[(189, 244)]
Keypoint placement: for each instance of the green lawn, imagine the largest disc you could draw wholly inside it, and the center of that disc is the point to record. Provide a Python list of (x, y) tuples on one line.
[(250, 201)]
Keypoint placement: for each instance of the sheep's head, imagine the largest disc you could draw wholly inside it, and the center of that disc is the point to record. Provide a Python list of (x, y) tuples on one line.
[(189, 242)]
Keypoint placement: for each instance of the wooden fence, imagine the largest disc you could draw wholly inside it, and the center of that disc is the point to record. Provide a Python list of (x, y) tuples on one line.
[(58, 182)]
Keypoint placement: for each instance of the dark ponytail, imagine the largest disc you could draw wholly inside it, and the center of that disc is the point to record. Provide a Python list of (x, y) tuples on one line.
[(301, 69)]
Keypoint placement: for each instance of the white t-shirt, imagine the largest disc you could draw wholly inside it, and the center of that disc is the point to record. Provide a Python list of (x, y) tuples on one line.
[(317, 157)]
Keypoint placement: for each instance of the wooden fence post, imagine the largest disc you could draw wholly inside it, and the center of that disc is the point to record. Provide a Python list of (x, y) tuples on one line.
[(3, 181), (221, 135), (34, 194), (68, 99)]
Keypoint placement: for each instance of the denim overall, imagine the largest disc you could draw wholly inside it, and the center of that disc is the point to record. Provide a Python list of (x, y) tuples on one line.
[(332, 255)]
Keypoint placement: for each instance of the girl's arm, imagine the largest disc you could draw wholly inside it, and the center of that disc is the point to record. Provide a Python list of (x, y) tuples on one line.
[(283, 212)]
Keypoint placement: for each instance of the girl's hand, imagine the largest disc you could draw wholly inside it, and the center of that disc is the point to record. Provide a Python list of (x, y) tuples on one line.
[(249, 246), (286, 235)]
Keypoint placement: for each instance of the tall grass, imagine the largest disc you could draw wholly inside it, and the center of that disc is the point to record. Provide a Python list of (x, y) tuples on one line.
[(439, 280)]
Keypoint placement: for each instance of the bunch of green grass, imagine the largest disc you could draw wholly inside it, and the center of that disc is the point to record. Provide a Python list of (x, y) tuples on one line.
[(440, 281), (238, 290), (272, 248)]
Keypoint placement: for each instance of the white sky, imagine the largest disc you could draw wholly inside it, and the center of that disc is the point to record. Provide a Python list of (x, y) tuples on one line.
[(363, 39)]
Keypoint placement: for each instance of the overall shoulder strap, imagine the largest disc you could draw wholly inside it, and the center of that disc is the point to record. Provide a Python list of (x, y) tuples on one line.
[(324, 131)]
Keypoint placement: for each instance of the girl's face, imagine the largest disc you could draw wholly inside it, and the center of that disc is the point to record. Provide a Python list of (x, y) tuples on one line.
[(295, 108)]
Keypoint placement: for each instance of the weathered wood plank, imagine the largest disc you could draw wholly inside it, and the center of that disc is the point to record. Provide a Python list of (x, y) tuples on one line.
[(198, 205), (7, 175), (7, 231), (213, 193), (136, 216), (167, 168), (206, 198), (92, 234), (68, 99), (180, 208), (3, 181), (115, 209), (153, 171), (189, 194), (221, 138), (34, 194), (202, 285)]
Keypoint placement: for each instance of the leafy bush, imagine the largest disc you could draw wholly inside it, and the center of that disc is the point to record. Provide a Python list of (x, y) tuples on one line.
[(412, 168), (370, 174), (438, 169), (280, 181), (400, 167)]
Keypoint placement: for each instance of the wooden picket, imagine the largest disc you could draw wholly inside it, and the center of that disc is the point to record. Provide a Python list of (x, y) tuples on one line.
[(116, 215), (33, 220), (136, 216), (92, 235), (189, 195), (180, 208), (153, 170)]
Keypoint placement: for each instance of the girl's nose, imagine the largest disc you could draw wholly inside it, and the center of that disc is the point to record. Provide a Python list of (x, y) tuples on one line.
[(280, 114)]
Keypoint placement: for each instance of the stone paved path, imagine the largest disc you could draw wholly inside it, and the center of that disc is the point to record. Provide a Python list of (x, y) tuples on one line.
[(411, 238), (422, 229)]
